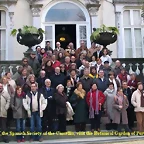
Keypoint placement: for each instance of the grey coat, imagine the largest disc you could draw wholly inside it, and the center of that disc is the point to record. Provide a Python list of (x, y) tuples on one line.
[(120, 113), (18, 108), (109, 94)]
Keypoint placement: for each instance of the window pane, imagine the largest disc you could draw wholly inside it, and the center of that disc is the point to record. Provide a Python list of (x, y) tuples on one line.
[(2, 44), (139, 53), (138, 37), (128, 38), (137, 17), (2, 18), (82, 31), (48, 32), (128, 53), (126, 18), (65, 11)]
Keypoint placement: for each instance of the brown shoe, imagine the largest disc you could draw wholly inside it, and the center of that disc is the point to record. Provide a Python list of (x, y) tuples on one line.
[(40, 140)]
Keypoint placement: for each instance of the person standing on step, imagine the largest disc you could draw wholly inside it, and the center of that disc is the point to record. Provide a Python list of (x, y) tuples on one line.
[(35, 103), (4, 106), (19, 113)]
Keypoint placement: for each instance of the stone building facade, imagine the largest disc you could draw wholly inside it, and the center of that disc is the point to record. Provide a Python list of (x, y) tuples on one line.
[(79, 17)]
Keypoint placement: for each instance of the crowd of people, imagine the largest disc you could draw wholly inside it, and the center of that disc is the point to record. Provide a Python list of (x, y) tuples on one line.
[(38, 93)]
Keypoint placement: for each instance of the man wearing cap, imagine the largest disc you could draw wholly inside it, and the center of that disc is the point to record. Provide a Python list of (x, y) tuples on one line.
[(106, 68), (34, 63)]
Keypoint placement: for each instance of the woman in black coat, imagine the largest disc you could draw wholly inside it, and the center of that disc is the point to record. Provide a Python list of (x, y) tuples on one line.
[(61, 109)]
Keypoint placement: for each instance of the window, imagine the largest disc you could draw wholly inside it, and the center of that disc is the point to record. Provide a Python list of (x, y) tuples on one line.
[(49, 34), (2, 34), (132, 33), (83, 34), (65, 11)]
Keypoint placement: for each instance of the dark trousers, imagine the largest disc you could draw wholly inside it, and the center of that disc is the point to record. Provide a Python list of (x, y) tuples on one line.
[(62, 122), (9, 117), (80, 127), (95, 122), (3, 127), (47, 122), (131, 117)]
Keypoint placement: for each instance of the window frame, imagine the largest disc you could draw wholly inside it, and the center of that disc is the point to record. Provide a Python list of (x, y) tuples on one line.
[(5, 29), (132, 27)]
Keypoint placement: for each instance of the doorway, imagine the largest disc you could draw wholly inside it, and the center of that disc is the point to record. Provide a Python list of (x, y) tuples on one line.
[(65, 34)]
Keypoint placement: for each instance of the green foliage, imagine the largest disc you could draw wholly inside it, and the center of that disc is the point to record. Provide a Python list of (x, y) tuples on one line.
[(103, 29), (27, 29)]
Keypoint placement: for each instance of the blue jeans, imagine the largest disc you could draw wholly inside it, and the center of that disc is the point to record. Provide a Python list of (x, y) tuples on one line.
[(20, 127), (35, 121)]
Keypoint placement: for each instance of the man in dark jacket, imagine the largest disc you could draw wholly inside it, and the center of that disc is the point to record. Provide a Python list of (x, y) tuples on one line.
[(106, 69), (101, 81), (48, 47), (50, 111), (57, 78), (86, 80), (41, 79), (34, 63), (130, 110)]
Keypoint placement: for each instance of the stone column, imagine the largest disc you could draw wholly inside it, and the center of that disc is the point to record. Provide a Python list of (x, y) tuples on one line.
[(22, 16), (94, 17), (119, 39), (36, 9)]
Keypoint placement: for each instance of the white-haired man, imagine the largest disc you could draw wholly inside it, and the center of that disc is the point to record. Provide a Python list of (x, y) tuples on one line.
[(50, 111), (58, 49)]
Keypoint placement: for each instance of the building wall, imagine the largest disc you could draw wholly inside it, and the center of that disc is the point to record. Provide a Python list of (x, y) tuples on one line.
[(20, 14)]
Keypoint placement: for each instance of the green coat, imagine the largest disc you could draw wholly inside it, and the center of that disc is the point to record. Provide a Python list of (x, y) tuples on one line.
[(80, 109)]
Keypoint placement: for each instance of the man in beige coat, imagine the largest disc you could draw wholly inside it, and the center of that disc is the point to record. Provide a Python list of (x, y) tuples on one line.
[(137, 101), (4, 105)]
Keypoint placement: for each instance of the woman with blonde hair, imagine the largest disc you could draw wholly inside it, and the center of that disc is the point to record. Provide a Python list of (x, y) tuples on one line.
[(78, 101), (27, 86)]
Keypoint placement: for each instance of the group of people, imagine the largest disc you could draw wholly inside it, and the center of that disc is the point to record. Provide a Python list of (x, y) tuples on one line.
[(49, 78)]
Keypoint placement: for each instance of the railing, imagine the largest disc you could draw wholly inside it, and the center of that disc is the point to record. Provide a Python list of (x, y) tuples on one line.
[(131, 64)]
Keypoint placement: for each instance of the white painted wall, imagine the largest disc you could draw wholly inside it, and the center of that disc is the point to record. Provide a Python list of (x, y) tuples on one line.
[(22, 16), (106, 16)]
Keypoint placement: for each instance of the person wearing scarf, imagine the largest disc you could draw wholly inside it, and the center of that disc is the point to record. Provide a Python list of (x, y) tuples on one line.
[(120, 106), (95, 99), (19, 113), (137, 101), (78, 102)]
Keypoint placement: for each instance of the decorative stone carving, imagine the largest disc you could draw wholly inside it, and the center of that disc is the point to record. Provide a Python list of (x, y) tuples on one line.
[(35, 11), (11, 15), (92, 6)]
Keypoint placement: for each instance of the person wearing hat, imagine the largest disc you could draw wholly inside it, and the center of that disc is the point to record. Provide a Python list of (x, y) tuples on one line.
[(34, 63), (61, 109), (106, 68)]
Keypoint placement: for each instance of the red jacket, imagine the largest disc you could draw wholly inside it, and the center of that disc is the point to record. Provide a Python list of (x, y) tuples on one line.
[(56, 64), (67, 67), (101, 98)]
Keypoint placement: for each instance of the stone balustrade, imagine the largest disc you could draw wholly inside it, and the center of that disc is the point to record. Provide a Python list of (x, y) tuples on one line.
[(131, 64)]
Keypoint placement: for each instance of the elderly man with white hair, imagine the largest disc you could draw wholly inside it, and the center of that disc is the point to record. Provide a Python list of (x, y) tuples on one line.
[(57, 78), (118, 67), (58, 49), (49, 113), (41, 79)]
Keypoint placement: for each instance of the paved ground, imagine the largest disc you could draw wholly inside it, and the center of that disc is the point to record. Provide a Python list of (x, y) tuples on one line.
[(93, 140)]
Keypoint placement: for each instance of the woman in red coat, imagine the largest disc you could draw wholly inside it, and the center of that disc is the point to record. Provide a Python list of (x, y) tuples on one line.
[(95, 99)]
